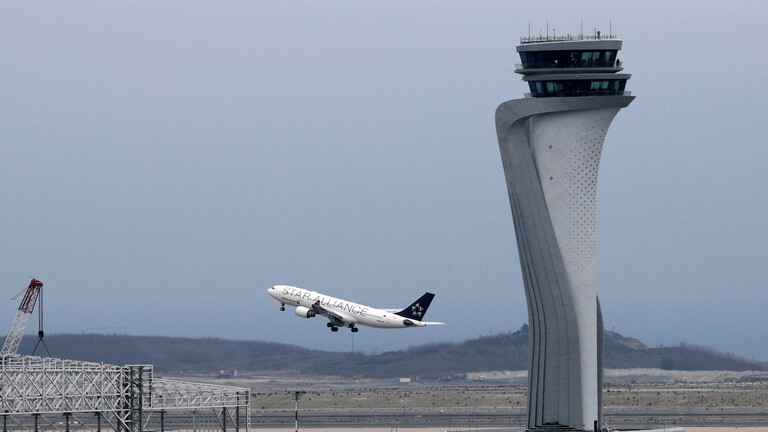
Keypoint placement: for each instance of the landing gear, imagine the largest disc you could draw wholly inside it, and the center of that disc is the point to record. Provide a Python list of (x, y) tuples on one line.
[(328, 325), (282, 308), (355, 329), (334, 329)]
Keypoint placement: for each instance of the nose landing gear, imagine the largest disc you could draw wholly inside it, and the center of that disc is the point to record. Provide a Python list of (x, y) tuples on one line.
[(282, 307)]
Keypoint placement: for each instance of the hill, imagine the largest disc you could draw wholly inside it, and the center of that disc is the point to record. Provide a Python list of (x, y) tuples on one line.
[(505, 351)]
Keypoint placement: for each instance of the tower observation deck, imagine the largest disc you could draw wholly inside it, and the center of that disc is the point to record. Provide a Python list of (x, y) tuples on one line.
[(550, 143), (569, 66)]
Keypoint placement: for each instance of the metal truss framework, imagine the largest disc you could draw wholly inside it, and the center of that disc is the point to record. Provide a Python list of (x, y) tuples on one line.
[(70, 394)]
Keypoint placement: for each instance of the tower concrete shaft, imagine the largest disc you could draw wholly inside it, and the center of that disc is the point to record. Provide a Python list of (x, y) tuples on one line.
[(550, 147)]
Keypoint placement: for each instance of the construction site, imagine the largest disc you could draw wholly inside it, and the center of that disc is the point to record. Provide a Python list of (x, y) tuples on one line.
[(53, 394)]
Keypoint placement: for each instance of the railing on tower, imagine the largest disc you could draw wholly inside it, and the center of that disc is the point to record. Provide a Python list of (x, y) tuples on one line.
[(565, 38)]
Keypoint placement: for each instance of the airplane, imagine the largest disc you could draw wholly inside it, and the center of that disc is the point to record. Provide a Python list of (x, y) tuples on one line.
[(343, 313)]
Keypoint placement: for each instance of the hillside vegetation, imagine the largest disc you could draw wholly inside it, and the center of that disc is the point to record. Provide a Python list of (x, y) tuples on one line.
[(506, 351)]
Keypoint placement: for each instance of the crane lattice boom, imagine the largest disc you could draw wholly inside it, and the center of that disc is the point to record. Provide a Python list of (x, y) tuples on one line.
[(26, 307)]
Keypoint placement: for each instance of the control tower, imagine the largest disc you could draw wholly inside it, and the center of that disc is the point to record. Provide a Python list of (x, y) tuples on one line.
[(550, 144)]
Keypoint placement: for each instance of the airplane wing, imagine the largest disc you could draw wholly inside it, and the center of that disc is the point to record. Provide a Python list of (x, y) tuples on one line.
[(338, 317)]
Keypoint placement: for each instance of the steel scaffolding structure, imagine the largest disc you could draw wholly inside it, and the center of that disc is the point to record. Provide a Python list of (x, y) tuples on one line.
[(57, 394)]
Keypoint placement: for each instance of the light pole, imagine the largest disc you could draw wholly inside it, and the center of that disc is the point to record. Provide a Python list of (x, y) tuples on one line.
[(298, 394)]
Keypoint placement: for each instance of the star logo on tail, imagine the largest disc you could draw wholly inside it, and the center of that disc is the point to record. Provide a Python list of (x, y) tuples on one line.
[(417, 310)]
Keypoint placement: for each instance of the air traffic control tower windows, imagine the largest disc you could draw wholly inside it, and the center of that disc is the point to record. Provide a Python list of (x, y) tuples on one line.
[(577, 87), (572, 66), (568, 59)]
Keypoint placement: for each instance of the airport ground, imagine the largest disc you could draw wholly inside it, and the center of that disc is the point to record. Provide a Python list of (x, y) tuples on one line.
[(439, 429), (469, 405)]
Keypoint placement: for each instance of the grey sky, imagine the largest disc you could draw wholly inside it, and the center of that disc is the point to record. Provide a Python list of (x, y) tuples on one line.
[(163, 163)]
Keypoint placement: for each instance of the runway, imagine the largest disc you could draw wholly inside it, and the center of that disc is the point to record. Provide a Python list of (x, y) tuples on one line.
[(443, 422), (489, 429)]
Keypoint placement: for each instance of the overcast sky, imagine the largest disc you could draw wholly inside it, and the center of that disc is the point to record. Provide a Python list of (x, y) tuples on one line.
[(163, 163)]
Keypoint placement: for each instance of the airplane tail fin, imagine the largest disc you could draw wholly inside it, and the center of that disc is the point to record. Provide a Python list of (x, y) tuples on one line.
[(418, 308)]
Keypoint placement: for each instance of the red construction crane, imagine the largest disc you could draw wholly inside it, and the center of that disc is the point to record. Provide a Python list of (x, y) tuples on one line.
[(26, 307)]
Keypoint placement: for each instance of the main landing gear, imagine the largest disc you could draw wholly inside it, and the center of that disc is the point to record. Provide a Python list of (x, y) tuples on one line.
[(335, 329), (282, 307)]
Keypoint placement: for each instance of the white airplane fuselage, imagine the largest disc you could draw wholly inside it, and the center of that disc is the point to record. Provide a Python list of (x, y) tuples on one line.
[(344, 313)]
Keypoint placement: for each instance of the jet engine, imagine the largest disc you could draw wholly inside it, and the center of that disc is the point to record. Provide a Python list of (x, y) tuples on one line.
[(305, 312)]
